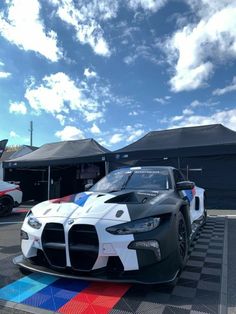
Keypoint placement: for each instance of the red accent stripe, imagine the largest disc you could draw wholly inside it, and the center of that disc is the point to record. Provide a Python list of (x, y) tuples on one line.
[(97, 298), (63, 199), (5, 191)]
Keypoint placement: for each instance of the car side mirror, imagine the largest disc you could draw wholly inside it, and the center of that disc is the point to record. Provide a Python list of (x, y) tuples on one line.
[(185, 185), (88, 186)]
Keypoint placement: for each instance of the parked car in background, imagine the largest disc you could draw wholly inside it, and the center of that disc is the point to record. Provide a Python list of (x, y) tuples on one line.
[(10, 196), (134, 225)]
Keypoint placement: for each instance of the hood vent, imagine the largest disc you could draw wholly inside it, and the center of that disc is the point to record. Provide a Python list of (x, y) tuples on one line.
[(132, 198)]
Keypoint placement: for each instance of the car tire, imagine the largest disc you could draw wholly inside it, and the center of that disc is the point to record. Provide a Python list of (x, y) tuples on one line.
[(6, 206), (182, 240)]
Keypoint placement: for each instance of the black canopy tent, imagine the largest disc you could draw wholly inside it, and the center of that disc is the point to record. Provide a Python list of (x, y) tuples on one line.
[(58, 155), (3, 144), (206, 154)]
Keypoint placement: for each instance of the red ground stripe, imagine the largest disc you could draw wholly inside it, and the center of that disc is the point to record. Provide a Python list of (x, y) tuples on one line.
[(98, 298), (20, 210)]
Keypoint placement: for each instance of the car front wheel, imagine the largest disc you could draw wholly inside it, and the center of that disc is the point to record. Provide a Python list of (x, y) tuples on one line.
[(182, 240), (6, 205)]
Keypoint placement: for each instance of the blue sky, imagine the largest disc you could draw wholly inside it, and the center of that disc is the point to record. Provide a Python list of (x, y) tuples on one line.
[(114, 70)]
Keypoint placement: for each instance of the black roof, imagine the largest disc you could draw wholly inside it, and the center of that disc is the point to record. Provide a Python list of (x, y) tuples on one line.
[(60, 153), (199, 140)]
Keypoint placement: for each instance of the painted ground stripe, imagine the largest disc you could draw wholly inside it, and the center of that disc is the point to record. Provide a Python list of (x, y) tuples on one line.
[(97, 298), (11, 222), (20, 210), (56, 294), (26, 287)]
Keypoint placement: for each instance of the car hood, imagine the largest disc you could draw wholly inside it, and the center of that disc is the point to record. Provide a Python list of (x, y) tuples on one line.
[(98, 205)]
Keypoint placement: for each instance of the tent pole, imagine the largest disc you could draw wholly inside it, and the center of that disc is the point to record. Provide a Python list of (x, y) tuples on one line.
[(49, 181), (178, 163), (106, 167)]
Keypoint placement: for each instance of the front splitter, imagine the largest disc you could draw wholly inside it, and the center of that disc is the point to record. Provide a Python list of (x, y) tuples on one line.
[(23, 263)]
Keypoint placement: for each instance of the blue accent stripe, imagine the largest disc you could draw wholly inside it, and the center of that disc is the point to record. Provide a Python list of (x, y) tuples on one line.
[(26, 287), (57, 294), (81, 199), (189, 195)]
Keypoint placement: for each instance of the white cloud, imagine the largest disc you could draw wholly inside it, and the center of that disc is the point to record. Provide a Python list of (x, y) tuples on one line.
[(194, 50), (104, 142), (143, 51), (4, 74), (225, 117), (150, 5), (21, 25), (85, 19), (227, 89), (61, 118), (176, 118), (59, 94), (163, 100), (95, 129), (134, 135), (133, 113), (13, 134), (195, 104), (116, 138), (128, 133), (187, 112), (18, 108), (92, 116), (130, 59), (89, 73), (70, 133)]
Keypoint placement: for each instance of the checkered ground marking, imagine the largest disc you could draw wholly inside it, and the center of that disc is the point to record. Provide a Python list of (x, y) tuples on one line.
[(197, 289)]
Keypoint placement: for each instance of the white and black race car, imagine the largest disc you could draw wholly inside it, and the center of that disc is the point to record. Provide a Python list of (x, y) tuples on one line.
[(134, 225)]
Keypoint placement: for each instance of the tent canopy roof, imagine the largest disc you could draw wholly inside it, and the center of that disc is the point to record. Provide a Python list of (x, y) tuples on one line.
[(198, 140), (3, 144), (60, 153)]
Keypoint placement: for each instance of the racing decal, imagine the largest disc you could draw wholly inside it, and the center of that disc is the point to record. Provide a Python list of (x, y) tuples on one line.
[(25, 287), (97, 298), (189, 194), (63, 199), (57, 294), (81, 199), (64, 295)]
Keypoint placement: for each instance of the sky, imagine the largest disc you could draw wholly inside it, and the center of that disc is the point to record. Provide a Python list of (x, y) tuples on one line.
[(113, 70)]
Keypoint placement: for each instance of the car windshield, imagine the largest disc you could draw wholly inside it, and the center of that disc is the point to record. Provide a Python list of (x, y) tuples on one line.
[(130, 179)]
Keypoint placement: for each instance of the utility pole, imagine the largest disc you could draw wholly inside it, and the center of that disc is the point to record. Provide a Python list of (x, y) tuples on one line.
[(31, 133)]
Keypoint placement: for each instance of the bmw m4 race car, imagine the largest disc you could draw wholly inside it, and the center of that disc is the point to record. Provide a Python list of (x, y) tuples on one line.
[(134, 225), (10, 196)]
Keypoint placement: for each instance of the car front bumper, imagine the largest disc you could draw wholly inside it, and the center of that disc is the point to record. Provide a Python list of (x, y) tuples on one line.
[(159, 273)]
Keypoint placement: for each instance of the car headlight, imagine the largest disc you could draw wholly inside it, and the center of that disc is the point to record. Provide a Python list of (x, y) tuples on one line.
[(34, 222), (138, 226)]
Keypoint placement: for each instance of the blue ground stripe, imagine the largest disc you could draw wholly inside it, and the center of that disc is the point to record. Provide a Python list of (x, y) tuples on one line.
[(56, 294), (26, 287)]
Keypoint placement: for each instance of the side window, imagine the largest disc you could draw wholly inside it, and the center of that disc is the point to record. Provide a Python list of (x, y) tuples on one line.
[(178, 176)]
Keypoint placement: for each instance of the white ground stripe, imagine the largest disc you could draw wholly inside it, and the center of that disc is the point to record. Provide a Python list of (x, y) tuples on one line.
[(224, 283), (11, 222), (221, 215)]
